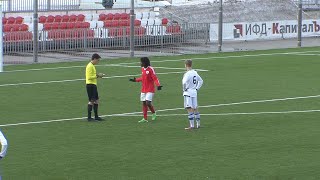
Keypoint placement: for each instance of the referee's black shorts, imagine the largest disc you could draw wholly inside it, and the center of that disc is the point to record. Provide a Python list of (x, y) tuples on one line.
[(92, 92)]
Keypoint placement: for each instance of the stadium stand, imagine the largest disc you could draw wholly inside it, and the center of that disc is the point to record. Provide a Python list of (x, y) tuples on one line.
[(15, 30), (79, 26), (258, 10), (67, 27)]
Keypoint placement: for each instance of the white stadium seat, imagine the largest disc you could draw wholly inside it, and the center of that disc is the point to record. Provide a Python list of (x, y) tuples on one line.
[(157, 22), (144, 22), (145, 15), (152, 15), (99, 24), (93, 24), (151, 22), (139, 15), (95, 17)]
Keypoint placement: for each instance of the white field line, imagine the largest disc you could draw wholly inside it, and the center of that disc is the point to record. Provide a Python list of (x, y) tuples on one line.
[(74, 80), (70, 67), (173, 109), (159, 61), (231, 104), (43, 69), (123, 65), (308, 54), (55, 68), (227, 57), (231, 114)]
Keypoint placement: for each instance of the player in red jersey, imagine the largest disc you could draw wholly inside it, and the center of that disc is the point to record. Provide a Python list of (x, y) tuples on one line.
[(148, 80)]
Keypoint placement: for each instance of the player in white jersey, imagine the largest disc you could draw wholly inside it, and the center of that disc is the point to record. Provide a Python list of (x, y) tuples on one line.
[(191, 83), (4, 146)]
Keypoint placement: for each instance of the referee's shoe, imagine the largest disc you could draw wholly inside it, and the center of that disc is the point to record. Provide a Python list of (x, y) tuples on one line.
[(98, 118), (95, 119)]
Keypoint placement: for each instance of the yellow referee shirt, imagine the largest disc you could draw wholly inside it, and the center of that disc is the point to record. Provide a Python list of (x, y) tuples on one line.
[(91, 74)]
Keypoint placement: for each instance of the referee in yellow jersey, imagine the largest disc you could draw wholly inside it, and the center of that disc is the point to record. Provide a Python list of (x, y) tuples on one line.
[(92, 91)]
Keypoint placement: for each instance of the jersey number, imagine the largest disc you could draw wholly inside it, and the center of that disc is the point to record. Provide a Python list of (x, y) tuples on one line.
[(194, 79)]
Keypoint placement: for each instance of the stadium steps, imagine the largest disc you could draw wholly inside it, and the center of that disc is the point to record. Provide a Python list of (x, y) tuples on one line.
[(251, 11)]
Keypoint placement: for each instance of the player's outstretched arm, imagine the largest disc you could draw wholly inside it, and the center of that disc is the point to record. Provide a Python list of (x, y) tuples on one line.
[(133, 79)]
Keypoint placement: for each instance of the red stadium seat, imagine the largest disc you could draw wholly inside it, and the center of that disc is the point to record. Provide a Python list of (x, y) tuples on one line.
[(165, 21), (107, 23), (65, 18), (81, 17), (50, 19), (73, 18), (116, 16), (124, 16), (7, 28), (85, 25), (57, 18), (16, 27), (70, 25), (42, 19), (137, 22), (109, 16), (102, 17), (4, 20), (11, 20), (19, 20), (63, 25), (55, 25), (114, 23), (24, 27), (47, 26), (77, 25), (124, 23)]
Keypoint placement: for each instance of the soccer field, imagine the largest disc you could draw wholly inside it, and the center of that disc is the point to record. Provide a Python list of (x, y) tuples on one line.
[(260, 120)]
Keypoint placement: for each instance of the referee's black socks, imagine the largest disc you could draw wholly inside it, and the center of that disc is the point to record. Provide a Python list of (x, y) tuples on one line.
[(89, 110), (95, 109)]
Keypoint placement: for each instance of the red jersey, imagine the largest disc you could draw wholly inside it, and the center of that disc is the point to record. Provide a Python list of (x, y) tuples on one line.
[(148, 78)]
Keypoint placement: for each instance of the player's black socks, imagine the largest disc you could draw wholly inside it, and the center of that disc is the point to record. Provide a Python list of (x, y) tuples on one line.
[(95, 109), (89, 110)]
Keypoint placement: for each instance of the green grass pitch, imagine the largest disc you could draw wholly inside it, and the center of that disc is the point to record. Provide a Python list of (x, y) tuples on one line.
[(260, 120)]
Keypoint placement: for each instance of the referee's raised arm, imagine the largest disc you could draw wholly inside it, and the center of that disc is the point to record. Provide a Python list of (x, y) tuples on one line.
[(91, 86)]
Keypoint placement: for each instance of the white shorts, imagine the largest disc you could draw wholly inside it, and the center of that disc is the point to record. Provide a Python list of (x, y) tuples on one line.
[(146, 96), (190, 102)]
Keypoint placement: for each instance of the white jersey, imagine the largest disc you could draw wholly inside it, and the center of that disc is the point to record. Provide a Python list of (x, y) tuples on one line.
[(191, 82), (4, 145)]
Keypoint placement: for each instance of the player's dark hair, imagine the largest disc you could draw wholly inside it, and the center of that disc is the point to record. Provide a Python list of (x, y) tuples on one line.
[(145, 62), (95, 56)]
